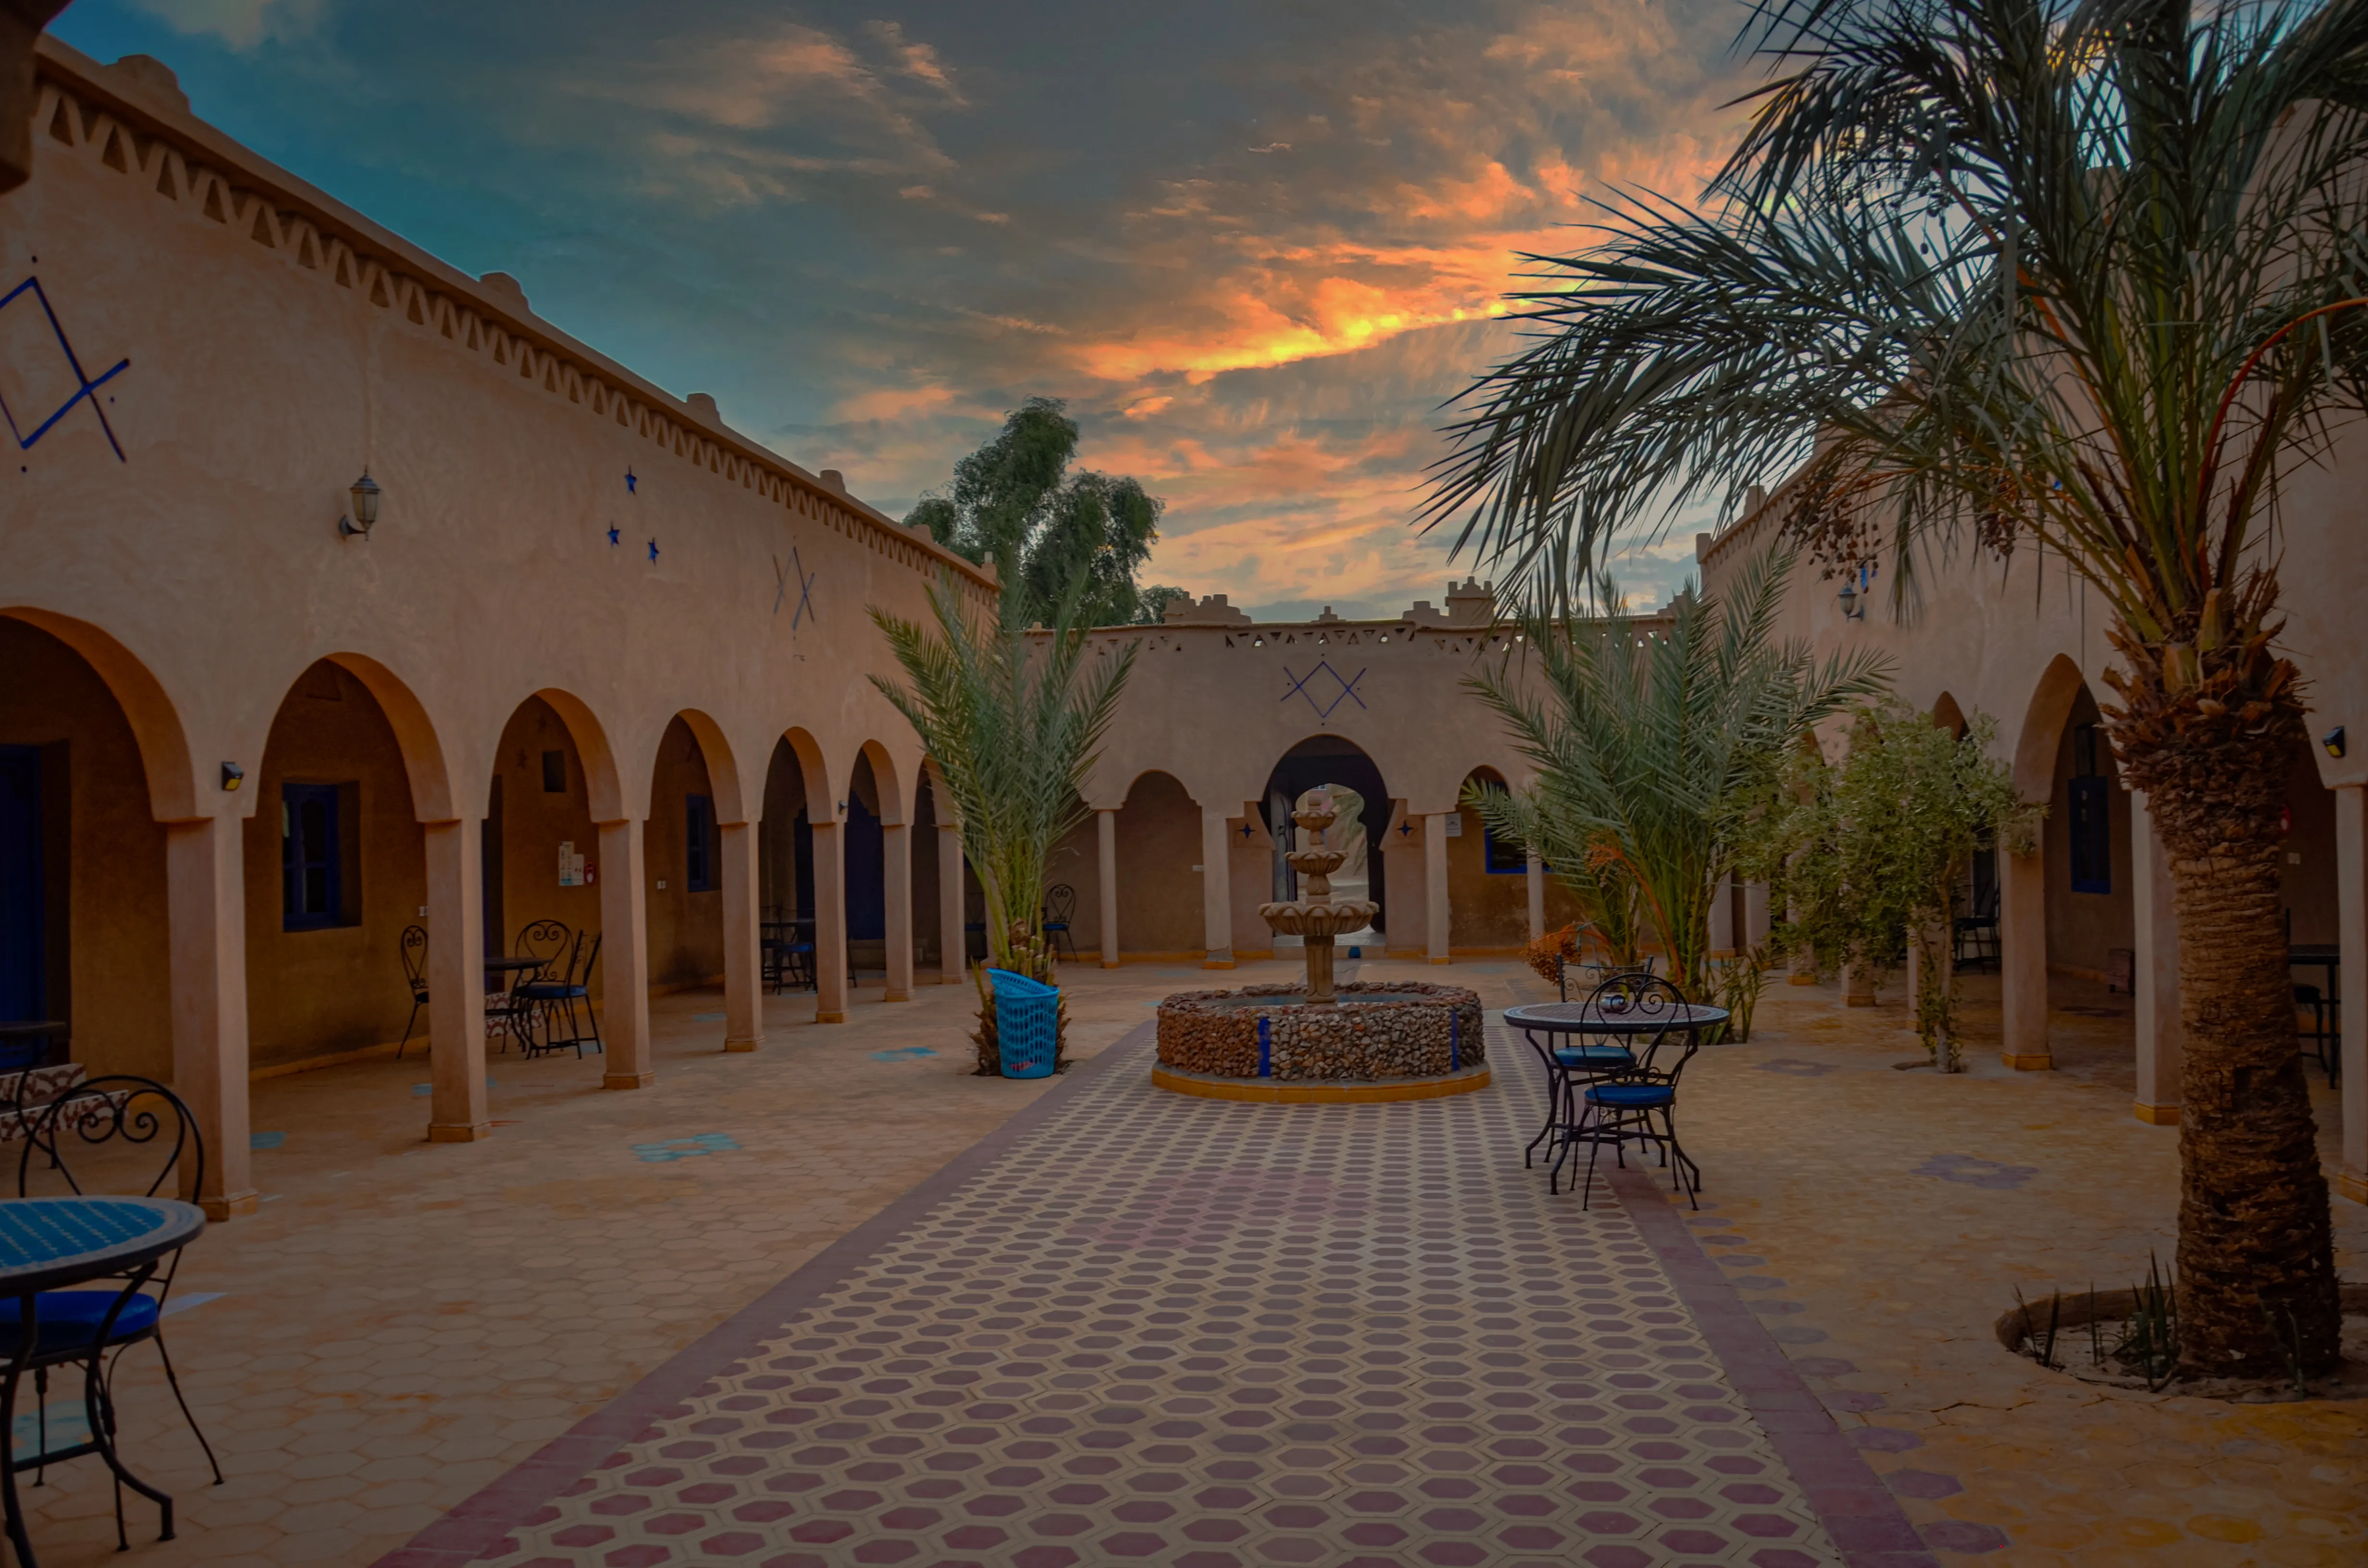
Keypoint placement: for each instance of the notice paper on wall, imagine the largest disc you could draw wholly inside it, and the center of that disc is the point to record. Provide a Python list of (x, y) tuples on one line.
[(574, 870)]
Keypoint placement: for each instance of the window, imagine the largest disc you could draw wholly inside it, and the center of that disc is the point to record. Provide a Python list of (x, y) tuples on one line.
[(2090, 818), (1502, 857), (311, 869), (554, 773), (698, 844)]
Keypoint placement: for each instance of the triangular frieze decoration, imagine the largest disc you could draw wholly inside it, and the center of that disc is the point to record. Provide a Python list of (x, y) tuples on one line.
[(114, 156), (165, 186), (212, 205), (61, 123), (260, 228), (308, 249), (378, 289)]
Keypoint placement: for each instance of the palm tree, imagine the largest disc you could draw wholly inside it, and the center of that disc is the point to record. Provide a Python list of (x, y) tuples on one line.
[(1652, 751), (1011, 720), (2078, 275)]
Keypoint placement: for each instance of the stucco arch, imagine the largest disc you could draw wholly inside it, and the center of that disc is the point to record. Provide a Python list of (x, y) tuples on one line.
[(173, 786), (2058, 687), (732, 802), (811, 766), (894, 809), (604, 788), (433, 797)]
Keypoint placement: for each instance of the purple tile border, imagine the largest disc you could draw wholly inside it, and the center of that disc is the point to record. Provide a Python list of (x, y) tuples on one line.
[(1858, 1511), (477, 1523)]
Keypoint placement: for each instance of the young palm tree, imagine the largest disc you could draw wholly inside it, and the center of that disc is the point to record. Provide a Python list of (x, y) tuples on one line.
[(2082, 274), (1652, 751), (1011, 721)]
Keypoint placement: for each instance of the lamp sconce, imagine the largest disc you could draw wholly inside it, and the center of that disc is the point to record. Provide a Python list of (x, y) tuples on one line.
[(232, 776), (2333, 742), (358, 523), (1855, 590)]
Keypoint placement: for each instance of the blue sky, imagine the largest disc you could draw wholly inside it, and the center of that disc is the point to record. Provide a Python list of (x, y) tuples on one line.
[(1254, 245)]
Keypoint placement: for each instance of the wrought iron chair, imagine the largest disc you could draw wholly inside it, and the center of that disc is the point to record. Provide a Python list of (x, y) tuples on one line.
[(553, 998), (1624, 1105), (1977, 936), (1569, 1068), (415, 973), (1059, 912), (94, 1328)]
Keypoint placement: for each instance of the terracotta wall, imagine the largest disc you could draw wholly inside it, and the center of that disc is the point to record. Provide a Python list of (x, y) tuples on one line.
[(686, 926), (103, 856), (2083, 928), (535, 821), (341, 987), (2307, 868), (1486, 911)]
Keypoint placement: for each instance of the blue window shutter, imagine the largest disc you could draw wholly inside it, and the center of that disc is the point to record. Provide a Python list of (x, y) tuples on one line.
[(310, 868)]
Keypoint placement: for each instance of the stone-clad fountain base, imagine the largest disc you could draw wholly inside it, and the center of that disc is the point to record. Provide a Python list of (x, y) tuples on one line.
[(1410, 1040)]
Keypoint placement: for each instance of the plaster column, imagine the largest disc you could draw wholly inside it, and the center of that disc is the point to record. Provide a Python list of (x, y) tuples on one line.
[(1434, 885), (624, 956), (456, 981), (1534, 874), (2352, 915), (1757, 920), (1858, 987), (205, 901), (2022, 960), (744, 939), (896, 863), (1216, 890), (1721, 918), (954, 942), (1105, 862), (2154, 976), (830, 923)]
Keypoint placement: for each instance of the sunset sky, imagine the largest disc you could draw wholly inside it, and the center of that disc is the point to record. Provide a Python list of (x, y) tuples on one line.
[(1254, 245)]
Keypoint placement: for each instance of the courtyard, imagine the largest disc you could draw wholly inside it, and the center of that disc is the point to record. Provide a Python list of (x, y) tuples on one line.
[(839, 1301)]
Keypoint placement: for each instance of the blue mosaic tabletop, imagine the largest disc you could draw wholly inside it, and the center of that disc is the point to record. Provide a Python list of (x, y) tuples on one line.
[(42, 1235)]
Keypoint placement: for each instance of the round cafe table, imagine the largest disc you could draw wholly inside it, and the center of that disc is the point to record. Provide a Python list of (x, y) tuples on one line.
[(50, 1243), (1573, 1064)]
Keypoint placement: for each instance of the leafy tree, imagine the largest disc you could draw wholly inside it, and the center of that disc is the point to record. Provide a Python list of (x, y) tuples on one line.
[(1011, 721), (1878, 847), (2083, 274), (1652, 751), (1015, 504)]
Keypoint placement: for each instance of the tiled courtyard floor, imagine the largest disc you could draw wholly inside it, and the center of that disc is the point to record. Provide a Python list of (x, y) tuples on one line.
[(405, 1325)]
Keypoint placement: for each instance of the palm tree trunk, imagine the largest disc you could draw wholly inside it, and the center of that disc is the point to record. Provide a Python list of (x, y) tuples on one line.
[(2256, 1289)]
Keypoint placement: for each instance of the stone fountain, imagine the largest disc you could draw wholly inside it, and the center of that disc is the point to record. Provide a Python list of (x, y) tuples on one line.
[(1315, 917), (1319, 1043)]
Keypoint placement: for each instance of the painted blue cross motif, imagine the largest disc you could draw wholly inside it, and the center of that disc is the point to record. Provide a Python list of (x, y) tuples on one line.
[(629, 482), (902, 1053), (654, 551), (1974, 1172), (612, 536), (685, 1148), (1348, 684), (781, 575), (85, 386)]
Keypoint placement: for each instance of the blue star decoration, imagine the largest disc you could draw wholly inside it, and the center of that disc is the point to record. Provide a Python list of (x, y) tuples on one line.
[(629, 482), (654, 550), (612, 535)]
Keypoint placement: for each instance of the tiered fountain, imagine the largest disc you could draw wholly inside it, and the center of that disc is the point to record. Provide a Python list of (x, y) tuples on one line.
[(1317, 1042)]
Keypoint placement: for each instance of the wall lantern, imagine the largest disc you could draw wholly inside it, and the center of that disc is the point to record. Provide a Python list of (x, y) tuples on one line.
[(232, 774), (1853, 595), (365, 493), (2333, 741)]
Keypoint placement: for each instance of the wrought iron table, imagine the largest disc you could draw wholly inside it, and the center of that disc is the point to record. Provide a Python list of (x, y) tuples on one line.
[(1570, 1068), (47, 1244)]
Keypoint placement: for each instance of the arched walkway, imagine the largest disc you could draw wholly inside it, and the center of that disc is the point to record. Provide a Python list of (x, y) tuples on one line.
[(803, 884), (1362, 803), (120, 906)]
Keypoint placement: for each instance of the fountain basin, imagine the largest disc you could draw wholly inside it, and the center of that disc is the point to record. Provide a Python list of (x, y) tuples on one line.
[(1405, 1040)]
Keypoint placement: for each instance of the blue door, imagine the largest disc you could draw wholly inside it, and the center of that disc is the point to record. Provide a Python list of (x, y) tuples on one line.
[(22, 917)]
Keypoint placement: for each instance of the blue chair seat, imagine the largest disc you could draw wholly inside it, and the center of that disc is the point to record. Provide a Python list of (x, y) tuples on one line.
[(1604, 1056), (1632, 1096), (549, 991), (70, 1319)]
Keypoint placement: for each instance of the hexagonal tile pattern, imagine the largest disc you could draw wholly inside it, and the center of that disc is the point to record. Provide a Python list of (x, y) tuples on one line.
[(1190, 1332)]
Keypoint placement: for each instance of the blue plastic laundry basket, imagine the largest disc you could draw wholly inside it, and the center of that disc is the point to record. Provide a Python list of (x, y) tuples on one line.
[(1027, 1023)]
